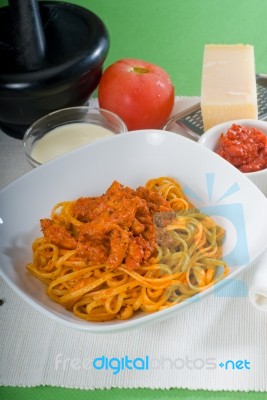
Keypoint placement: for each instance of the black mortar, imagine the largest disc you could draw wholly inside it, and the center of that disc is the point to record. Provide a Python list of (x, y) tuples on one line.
[(51, 57)]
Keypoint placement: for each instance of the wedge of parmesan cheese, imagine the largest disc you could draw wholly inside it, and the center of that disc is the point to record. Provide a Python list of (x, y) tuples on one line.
[(228, 88)]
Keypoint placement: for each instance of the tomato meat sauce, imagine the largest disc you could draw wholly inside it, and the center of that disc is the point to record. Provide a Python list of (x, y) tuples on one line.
[(244, 147)]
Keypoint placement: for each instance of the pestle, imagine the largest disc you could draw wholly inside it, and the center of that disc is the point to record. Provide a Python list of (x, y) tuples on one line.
[(28, 34)]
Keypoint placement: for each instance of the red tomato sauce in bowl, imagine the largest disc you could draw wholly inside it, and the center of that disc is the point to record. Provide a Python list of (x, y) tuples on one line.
[(244, 147)]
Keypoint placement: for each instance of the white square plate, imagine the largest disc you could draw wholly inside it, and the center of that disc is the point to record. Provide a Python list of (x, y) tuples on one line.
[(131, 158)]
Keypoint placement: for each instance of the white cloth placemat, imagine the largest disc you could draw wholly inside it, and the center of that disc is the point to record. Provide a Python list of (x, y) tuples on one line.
[(216, 344)]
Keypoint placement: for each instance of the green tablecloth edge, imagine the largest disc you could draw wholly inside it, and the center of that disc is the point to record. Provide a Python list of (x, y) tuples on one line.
[(47, 392)]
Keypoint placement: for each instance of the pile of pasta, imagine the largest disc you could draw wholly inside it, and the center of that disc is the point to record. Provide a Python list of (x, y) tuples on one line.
[(127, 250)]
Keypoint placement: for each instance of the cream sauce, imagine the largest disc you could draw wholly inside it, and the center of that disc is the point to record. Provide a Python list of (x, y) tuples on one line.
[(66, 138)]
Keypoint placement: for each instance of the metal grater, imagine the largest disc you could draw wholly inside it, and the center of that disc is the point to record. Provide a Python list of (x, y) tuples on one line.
[(190, 120)]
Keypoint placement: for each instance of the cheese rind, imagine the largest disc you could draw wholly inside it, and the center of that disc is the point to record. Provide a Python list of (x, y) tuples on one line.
[(228, 88)]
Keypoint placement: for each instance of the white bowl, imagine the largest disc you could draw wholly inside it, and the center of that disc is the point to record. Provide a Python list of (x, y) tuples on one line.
[(210, 138), (215, 186)]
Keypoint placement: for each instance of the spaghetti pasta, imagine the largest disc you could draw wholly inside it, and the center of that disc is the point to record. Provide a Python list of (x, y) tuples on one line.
[(147, 249)]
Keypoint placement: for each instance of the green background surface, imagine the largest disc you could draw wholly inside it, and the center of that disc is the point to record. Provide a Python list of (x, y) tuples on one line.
[(172, 34)]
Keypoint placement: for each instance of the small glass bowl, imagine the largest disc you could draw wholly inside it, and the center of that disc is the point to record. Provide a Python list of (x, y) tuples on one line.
[(67, 129)]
